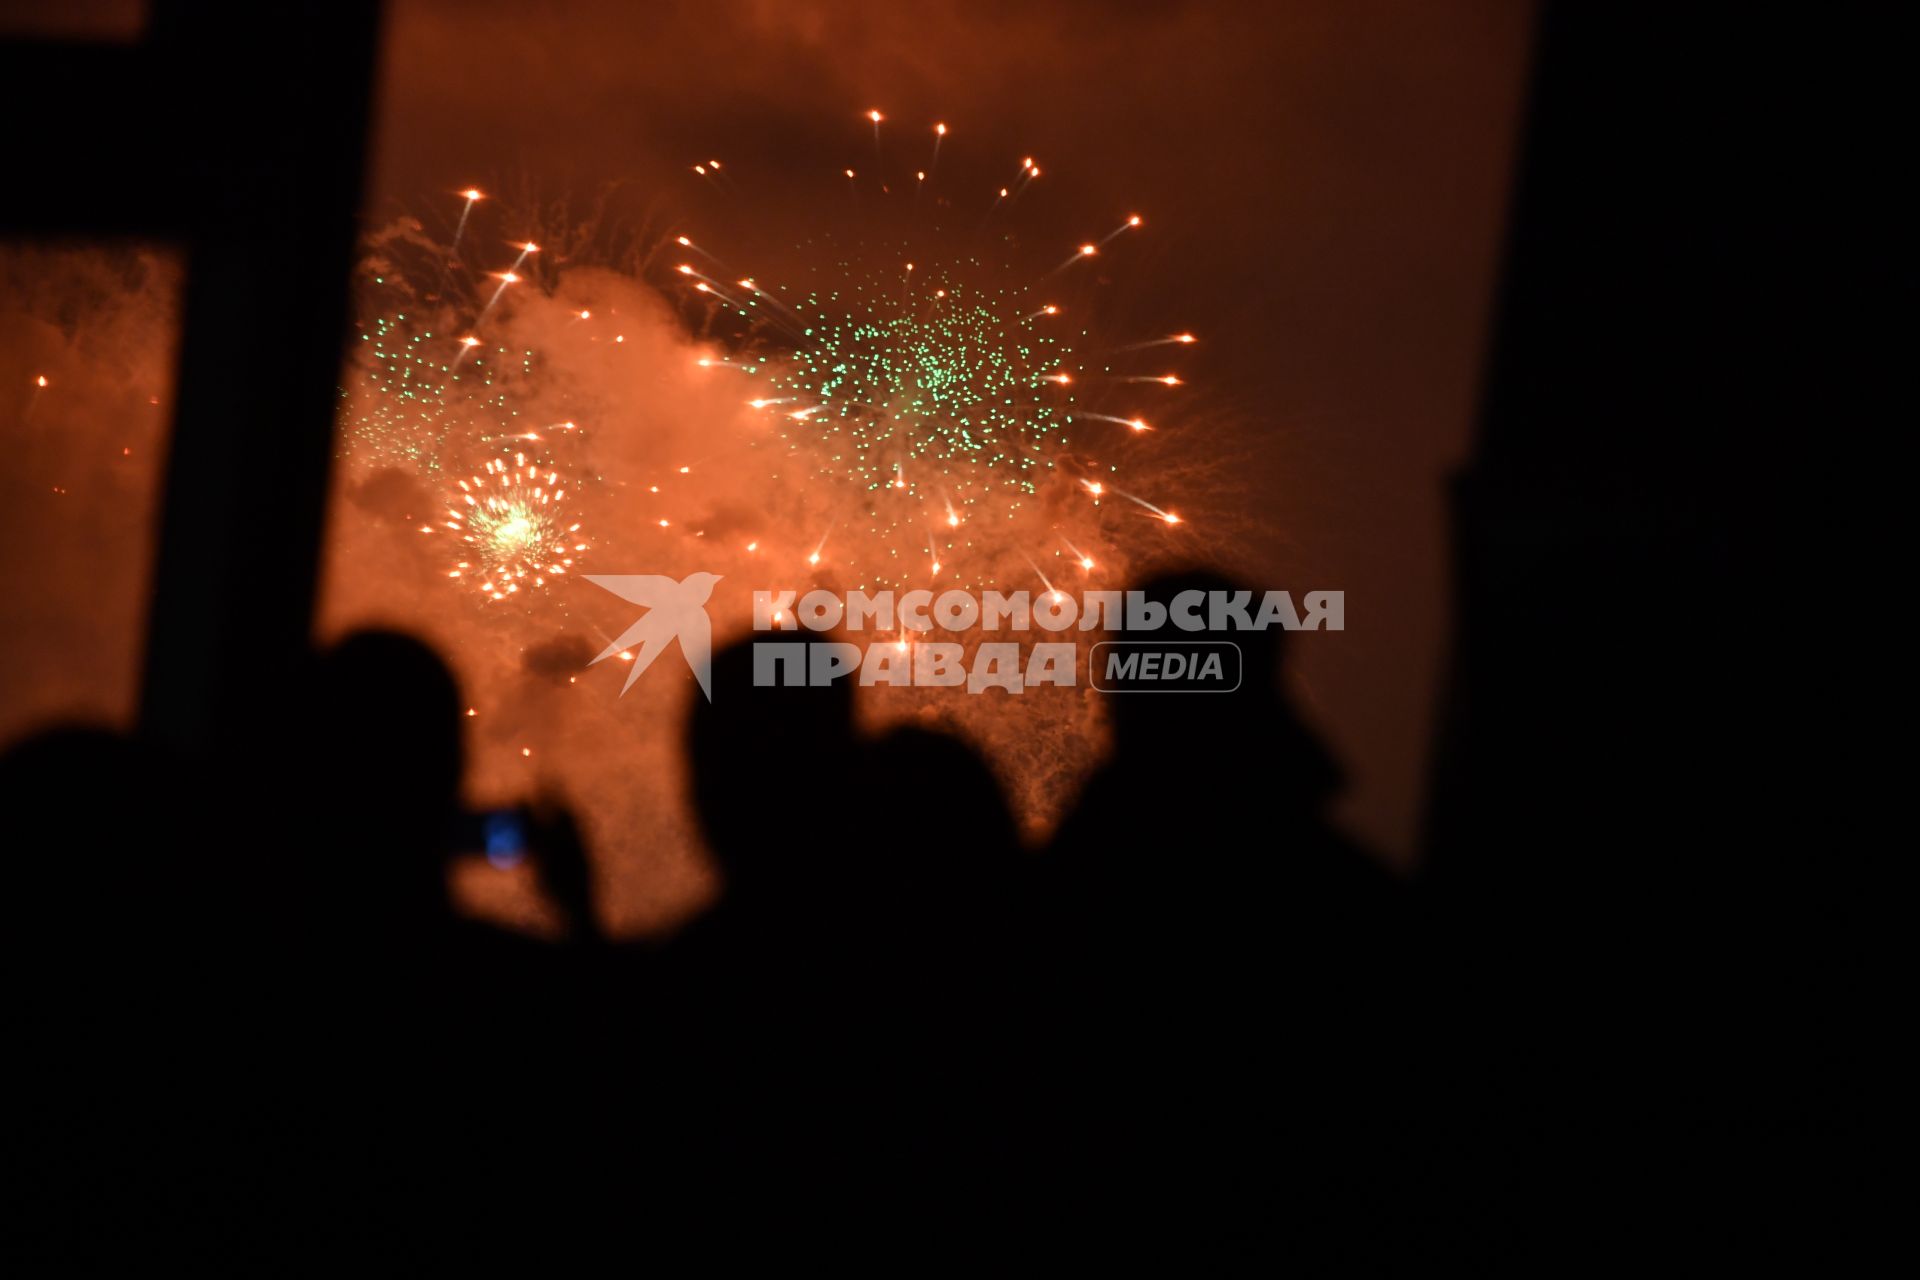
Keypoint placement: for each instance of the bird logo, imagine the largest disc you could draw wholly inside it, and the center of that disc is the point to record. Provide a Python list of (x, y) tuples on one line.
[(674, 610)]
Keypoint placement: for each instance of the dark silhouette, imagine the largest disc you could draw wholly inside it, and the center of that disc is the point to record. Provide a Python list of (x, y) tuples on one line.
[(817, 998), (891, 1003), (385, 760), (424, 1020), (1229, 783), (1227, 961)]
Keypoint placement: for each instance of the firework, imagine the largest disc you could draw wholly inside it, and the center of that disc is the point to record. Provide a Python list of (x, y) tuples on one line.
[(511, 276), (933, 373), (924, 383), (408, 403), (950, 380), (510, 521), (471, 195)]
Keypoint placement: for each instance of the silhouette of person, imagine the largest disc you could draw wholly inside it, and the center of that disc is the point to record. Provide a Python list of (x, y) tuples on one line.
[(386, 758), (832, 989), (948, 890), (126, 960), (1212, 799), (1220, 948), (424, 1020), (760, 990), (93, 899)]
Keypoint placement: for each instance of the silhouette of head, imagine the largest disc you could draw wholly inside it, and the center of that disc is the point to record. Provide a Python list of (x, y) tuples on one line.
[(1259, 659), (388, 755), (769, 761), (1248, 728)]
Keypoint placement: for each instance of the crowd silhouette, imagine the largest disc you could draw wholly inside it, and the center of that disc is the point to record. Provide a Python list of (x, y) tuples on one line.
[(1192, 1017)]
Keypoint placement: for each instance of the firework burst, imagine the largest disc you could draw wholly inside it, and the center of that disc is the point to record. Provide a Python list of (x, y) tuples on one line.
[(941, 375), (511, 522), (898, 394)]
